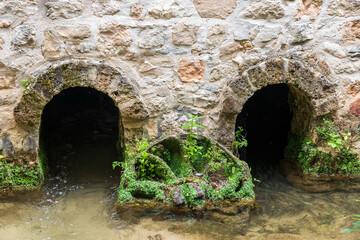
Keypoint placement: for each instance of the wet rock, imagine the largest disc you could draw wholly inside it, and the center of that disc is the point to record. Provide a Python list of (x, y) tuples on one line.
[(74, 32), (177, 199), (105, 7), (24, 35), (190, 70), (215, 8), (184, 34), (152, 37), (137, 11), (63, 9), (166, 9), (264, 10), (217, 34), (344, 8), (354, 53)]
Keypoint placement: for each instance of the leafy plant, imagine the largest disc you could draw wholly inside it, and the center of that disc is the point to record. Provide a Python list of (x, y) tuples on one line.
[(190, 195), (191, 147), (239, 141)]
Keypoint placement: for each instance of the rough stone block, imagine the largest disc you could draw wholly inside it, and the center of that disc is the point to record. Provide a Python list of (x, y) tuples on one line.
[(166, 9), (63, 8), (351, 31), (190, 70), (264, 10), (355, 108), (310, 8), (184, 34), (152, 37), (74, 32), (137, 11), (105, 7), (215, 8), (344, 8), (217, 34), (24, 35)]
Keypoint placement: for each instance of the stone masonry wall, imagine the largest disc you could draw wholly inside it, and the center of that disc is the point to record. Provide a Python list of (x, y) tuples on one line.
[(161, 58)]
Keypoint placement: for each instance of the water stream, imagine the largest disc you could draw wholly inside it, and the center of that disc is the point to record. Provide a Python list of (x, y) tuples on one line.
[(82, 207)]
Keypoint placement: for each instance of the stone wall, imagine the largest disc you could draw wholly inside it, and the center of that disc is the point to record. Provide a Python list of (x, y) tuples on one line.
[(159, 59)]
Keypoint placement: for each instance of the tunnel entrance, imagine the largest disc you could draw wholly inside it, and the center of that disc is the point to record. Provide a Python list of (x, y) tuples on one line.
[(79, 134), (266, 120)]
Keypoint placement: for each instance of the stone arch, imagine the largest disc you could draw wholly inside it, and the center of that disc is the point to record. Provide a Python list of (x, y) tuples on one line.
[(312, 95), (99, 76)]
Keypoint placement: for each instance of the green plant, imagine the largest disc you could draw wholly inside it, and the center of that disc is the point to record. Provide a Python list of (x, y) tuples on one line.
[(190, 195), (191, 147), (15, 175), (239, 141)]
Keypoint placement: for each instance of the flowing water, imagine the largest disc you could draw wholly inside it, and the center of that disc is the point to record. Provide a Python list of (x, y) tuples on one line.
[(82, 207)]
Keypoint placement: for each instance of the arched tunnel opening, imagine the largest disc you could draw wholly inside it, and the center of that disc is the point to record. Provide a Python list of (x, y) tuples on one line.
[(79, 135), (266, 119)]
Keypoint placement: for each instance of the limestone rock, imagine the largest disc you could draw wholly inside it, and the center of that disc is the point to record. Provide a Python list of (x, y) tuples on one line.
[(230, 51), (51, 47), (353, 89), (334, 49), (355, 108), (105, 7), (74, 32), (152, 37), (7, 77), (351, 31), (137, 11), (301, 32), (354, 53), (166, 9), (244, 31), (344, 8), (264, 10), (24, 35), (217, 34), (190, 70), (215, 8), (63, 8), (223, 72), (310, 8), (4, 24), (206, 96), (114, 38), (267, 34), (184, 34)]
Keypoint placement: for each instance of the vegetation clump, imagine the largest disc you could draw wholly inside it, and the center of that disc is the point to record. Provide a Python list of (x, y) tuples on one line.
[(186, 169), (328, 153), (16, 175)]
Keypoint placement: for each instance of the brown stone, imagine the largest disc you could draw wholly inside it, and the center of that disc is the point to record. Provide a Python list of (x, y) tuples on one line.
[(7, 77), (136, 11), (215, 8), (309, 7), (353, 89), (190, 70), (351, 31), (231, 50), (344, 8), (74, 32), (51, 48), (355, 108), (4, 24), (184, 34), (264, 10), (114, 39), (216, 35)]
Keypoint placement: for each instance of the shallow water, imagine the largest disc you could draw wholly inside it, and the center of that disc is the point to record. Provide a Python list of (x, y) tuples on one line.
[(82, 207)]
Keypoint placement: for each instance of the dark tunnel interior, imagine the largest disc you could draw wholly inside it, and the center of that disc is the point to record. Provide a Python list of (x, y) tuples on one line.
[(79, 134), (266, 120)]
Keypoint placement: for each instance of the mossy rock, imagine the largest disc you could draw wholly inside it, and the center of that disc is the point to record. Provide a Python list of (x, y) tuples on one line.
[(162, 174)]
